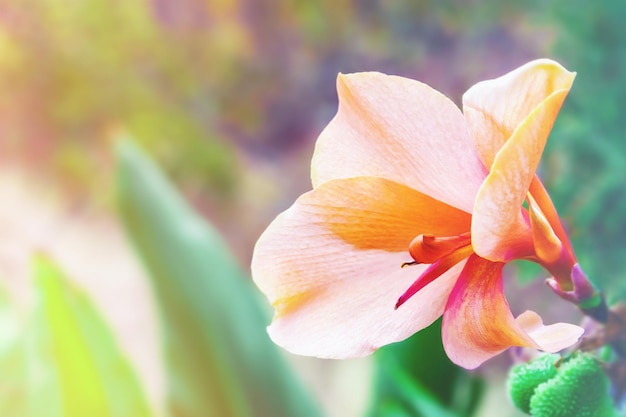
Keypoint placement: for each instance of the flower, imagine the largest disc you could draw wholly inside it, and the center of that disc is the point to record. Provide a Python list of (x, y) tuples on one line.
[(400, 174)]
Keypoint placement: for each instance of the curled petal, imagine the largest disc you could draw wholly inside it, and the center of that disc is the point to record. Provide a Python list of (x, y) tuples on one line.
[(544, 203), (495, 108), (333, 300), (548, 247), (478, 323), (401, 130), (551, 338), (500, 232)]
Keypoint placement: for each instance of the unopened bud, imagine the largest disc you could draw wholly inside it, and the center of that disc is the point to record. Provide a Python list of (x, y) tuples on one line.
[(584, 295)]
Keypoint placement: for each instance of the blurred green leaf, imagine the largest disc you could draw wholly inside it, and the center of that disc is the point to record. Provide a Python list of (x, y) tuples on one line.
[(399, 394), (75, 366), (418, 377), (526, 271), (220, 359), (585, 159), (12, 361)]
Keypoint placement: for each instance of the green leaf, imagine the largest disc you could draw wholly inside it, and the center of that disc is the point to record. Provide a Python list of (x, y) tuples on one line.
[(418, 375), (219, 356), (76, 368)]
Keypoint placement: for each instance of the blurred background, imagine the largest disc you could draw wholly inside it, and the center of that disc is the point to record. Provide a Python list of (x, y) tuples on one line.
[(228, 97)]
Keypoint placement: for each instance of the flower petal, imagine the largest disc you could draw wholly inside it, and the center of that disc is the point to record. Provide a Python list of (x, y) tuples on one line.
[(495, 108), (401, 130), (343, 322), (551, 338), (548, 247), (333, 300), (500, 231), (541, 197), (374, 213), (478, 323)]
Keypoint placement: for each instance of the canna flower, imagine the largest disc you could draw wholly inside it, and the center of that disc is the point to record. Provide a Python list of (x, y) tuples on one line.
[(415, 209)]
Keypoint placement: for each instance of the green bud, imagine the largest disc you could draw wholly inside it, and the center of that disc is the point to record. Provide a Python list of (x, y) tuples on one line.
[(525, 378)]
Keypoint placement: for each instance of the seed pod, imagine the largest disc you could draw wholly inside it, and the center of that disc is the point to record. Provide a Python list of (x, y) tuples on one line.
[(524, 379), (579, 389)]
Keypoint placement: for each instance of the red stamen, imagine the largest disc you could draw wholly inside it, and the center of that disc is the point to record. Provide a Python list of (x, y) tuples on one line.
[(434, 271)]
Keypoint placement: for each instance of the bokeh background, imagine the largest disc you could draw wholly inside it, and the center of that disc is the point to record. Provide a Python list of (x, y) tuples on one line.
[(228, 97)]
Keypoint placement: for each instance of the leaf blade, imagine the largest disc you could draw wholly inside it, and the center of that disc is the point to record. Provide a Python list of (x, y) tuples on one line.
[(220, 358)]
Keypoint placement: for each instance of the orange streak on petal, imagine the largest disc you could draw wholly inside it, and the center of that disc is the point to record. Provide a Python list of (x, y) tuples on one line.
[(499, 230), (288, 304), (374, 213)]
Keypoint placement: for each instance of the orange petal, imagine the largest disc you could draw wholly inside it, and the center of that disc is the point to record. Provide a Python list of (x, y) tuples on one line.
[(374, 213), (544, 202), (548, 247), (478, 323), (495, 108), (401, 130), (500, 232), (333, 300)]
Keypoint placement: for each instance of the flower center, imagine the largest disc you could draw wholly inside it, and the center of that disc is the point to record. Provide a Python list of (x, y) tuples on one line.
[(441, 252)]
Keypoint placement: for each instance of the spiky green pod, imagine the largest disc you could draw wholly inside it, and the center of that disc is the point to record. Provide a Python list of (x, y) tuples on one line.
[(524, 379), (577, 387)]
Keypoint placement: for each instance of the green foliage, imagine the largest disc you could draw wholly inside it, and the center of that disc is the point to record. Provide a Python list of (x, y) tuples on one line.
[(417, 377), (585, 160), (75, 368), (576, 387), (220, 360), (94, 65)]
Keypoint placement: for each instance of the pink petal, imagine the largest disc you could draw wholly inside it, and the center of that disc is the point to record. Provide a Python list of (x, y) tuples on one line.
[(401, 130), (478, 323), (333, 300), (355, 314), (495, 108)]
